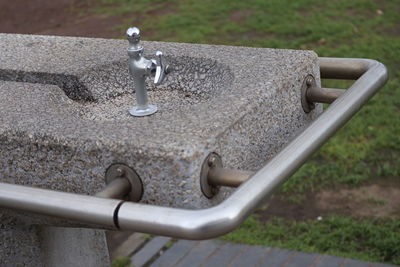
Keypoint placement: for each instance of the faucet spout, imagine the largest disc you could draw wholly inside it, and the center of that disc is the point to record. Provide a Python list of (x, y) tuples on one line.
[(139, 68)]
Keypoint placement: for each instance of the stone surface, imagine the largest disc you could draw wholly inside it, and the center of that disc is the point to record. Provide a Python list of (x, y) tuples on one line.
[(199, 253), (330, 261), (175, 254), (217, 253), (65, 118), (278, 257), (302, 259), (150, 250), (224, 255), (250, 256), (121, 244)]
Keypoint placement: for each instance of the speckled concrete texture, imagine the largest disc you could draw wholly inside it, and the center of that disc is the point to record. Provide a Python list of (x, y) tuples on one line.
[(65, 117), (65, 247), (33, 245), (20, 245)]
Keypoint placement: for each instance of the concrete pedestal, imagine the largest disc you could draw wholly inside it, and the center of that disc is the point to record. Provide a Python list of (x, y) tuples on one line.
[(20, 246), (74, 247), (34, 245), (65, 119)]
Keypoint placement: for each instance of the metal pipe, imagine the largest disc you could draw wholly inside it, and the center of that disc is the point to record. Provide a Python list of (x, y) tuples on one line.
[(225, 217), (323, 95), (227, 177), (80, 208), (345, 69), (117, 189)]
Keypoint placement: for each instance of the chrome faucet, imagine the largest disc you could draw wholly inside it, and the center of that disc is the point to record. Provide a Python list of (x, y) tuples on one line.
[(139, 68)]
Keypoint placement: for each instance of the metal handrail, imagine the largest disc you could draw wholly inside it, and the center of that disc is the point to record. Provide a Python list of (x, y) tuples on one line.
[(226, 216)]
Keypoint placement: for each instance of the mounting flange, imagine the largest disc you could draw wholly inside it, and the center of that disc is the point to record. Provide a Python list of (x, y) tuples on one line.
[(118, 171), (308, 82), (213, 160)]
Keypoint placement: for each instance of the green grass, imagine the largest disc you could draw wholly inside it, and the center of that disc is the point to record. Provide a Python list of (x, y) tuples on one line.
[(122, 262), (369, 239), (367, 148), (376, 201)]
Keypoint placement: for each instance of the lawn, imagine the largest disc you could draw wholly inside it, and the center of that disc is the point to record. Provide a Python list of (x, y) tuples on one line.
[(365, 152)]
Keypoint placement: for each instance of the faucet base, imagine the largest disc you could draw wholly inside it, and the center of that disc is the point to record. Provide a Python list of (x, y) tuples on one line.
[(140, 112)]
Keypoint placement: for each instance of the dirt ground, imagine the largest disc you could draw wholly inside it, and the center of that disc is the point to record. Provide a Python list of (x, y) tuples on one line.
[(64, 18), (379, 199), (55, 17)]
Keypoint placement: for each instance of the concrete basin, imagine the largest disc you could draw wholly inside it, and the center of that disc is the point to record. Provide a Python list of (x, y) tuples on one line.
[(109, 89)]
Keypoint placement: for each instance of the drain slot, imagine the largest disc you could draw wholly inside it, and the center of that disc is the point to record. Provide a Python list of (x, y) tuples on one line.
[(68, 83)]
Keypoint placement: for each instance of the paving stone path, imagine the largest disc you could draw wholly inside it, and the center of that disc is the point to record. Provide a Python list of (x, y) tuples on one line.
[(164, 252)]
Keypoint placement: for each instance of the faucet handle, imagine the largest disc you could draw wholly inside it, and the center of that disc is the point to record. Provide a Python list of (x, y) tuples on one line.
[(162, 69)]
